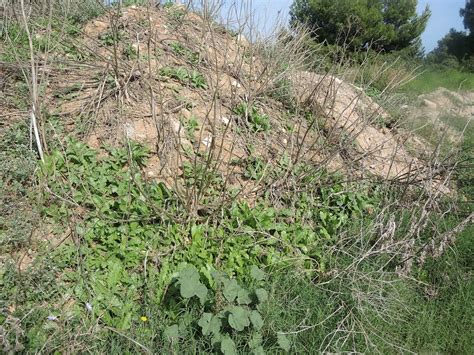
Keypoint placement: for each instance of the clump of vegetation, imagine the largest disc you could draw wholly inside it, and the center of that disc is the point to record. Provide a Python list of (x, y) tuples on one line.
[(228, 314), (191, 56), (185, 76), (256, 121), (17, 176)]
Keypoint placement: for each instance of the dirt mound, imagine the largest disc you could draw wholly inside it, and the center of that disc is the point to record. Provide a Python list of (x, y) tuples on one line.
[(194, 93), (186, 88), (443, 114), (351, 113)]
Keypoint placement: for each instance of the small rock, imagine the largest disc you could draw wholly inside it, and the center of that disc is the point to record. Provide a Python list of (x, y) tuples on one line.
[(207, 142), (136, 75), (129, 130), (225, 120), (429, 104), (176, 126), (235, 84)]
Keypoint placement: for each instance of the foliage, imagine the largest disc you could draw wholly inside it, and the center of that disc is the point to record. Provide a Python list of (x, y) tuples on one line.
[(129, 52), (126, 221), (185, 76), (17, 218), (109, 38), (251, 116), (468, 14), (254, 168), (225, 309), (15, 44), (175, 13), (427, 316), (191, 126), (191, 56), (384, 25), (96, 257), (457, 47)]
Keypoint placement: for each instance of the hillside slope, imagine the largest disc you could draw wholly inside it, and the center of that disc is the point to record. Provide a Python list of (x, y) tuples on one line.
[(200, 193)]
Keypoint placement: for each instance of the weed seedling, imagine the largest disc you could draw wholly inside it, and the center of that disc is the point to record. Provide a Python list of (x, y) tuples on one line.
[(257, 121)]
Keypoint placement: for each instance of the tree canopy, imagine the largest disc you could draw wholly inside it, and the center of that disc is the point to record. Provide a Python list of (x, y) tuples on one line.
[(468, 14), (457, 47), (386, 25)]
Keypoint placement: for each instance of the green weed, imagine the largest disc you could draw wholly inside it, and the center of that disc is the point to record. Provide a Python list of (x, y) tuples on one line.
[(110, 37), (185, 76), (191, 126), (129, 52), (256, 121), (188, 54)]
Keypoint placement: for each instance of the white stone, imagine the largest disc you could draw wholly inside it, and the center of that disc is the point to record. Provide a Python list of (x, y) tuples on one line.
[(207, 141), (129, 130), (176, 126), (235, 84)]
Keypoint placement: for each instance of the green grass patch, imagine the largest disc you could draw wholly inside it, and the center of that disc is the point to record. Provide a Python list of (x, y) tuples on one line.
[(431, 79)]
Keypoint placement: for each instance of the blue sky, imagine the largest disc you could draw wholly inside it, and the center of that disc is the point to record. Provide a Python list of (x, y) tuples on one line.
[(445, 15)]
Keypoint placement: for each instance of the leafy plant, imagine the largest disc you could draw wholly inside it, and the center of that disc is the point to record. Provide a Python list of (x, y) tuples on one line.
[(108, 38), (175, 13), (129, 52), (254, 119), (188, 54), (191, 126), (228, 308), (254, 168), (192, 78), (197, 80)]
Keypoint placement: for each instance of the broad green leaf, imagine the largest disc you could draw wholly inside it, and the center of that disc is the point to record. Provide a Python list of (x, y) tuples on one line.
[(216, 339), (228, 346), (258, 350), (239, 318), (201, 292), (126, 321), (115, 273), (171, 332), (256, 319), (262, 295), (284, 342), (231, 290), (189, 272), (210, 323), (190, 285), (257, 273), (243, 297)]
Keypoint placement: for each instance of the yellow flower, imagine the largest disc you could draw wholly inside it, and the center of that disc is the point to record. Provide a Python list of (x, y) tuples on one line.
[(144, 319)]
